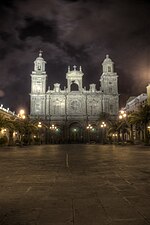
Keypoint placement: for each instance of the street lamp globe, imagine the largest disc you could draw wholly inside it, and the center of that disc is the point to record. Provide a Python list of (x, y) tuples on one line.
[(22, 112)]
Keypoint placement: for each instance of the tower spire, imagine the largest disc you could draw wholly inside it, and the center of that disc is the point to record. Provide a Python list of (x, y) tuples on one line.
[(74, 67), (39, 64), (68, 68), (40, 53)]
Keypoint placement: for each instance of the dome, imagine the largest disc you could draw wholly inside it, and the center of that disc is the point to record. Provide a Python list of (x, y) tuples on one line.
[(40, 56), (107, 60)]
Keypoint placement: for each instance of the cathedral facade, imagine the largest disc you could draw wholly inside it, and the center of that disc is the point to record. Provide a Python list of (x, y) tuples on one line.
[(73, 106)]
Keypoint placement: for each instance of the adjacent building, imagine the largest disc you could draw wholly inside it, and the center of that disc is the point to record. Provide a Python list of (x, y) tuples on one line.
[(134, 102), (4, 131)]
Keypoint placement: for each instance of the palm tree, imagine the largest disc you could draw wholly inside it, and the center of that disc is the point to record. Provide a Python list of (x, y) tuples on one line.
[(6, 123), (26, 129), (123, 128), (114, 129), (141, 119), (105, 117)]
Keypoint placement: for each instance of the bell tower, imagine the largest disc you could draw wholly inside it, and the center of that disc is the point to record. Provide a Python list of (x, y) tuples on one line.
[(74, 77), (38, 87), (109, 87)]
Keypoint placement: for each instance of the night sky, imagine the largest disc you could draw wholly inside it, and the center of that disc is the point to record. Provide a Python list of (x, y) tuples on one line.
[(69, 32)]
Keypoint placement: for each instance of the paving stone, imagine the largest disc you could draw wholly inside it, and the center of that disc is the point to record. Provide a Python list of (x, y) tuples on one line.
[(129, 222), (56, 215), (103, 185)]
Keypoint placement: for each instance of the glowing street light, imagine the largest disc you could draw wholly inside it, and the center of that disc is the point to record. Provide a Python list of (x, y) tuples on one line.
[(148, 128), (53, 127), (3, 131), (115, 135), (22, 114), (122, 115), (39, 125), (89, 127), (103, 126)]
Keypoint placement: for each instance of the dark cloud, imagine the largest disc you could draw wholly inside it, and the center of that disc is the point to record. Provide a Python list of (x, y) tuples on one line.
[(35, 28), (2, 93), (71, 32)]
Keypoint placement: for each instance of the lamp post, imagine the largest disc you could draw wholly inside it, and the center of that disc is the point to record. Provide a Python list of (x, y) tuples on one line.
[(89, 129), (22, 116), (74, 134), (122, 116), (39, 131), (103, 126), (148, 127), (114, 137), (53, 129)]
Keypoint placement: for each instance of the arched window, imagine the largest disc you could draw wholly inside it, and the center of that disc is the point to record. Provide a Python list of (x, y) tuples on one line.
[(110, 90), (39, 66), (74, 87), (111, 108), (109, 68)]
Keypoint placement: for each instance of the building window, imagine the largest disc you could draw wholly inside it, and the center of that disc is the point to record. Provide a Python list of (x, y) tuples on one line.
[(38, 107), (109, 68), (74, 86), (57, 109), (38, 66), (111, 108), (110, 89)]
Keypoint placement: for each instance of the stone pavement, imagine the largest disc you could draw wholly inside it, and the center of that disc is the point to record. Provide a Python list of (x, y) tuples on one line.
[(75, 185)]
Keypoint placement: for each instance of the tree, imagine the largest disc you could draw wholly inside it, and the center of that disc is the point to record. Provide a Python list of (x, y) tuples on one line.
[(123, 128), (105, 117), (7, 123), (141, 119), (26, 129), (113, 129), (4, 122)]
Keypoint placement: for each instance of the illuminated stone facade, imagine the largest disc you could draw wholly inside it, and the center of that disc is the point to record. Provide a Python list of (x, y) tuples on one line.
[(78, 104), (73, 104)]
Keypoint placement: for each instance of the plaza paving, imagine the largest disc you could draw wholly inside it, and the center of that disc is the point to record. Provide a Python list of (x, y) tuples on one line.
[(75, 185)]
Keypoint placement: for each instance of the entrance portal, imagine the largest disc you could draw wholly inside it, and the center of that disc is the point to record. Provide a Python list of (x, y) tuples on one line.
[(75, 133)]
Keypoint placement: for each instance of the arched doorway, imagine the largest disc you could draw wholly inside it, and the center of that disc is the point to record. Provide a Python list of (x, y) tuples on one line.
[(75, 133)]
